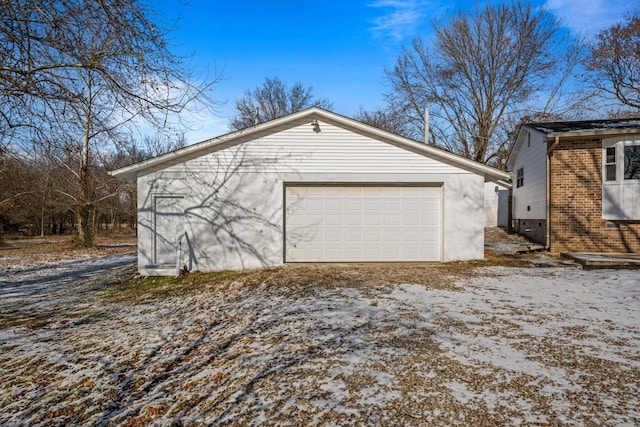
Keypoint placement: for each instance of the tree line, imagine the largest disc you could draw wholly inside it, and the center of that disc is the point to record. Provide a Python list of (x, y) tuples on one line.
[(38, 188), (80, 78)]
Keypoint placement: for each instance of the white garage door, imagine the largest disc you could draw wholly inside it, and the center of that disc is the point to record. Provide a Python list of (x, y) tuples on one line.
[(363, 223)]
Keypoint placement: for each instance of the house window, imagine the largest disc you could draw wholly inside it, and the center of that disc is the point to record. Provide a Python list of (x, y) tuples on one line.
[(610, 164), (631, 162), (519, 177), (621, 178)]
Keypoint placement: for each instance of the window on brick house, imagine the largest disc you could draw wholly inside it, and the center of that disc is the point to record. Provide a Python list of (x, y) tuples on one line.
[(610, 164), (631, 162), (621, 178), (519, 177)]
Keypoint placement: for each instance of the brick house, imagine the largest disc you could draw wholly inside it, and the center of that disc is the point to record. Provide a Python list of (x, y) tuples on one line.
[(576, 185)]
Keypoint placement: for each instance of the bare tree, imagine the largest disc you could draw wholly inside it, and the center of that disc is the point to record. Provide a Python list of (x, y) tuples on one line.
[(483, 66), (383, 119), (272, 100), (614, 61), (83, 74)]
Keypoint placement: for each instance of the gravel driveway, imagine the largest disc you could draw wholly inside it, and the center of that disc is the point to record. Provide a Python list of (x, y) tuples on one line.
[(451, 344)]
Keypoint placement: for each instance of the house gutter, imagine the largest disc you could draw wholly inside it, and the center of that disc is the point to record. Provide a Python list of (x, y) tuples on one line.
[(548, 213)]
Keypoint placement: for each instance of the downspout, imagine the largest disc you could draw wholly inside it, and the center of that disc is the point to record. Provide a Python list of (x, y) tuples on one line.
[(548, 213)]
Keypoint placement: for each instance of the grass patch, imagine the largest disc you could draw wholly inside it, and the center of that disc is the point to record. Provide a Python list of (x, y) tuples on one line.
[(297, 276), (294, 276), (144, 288)]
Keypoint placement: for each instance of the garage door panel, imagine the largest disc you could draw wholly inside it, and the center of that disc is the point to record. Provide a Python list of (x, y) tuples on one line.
[(354, 204), (334, 219), (373, 252), (411, 220), (372, 236), (312, 204), (363, 223), (374, 204), (392, 252), (351, 253), (353, 236), (334, 253), (391, 235), (392, 205), (372, 219), (353, 220), (333, 204), (334, 235)]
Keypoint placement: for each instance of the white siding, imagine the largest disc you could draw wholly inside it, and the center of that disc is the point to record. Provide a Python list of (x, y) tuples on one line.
[(463, 237), (530, 200), (333, 150), (495, 202), (233, 200)]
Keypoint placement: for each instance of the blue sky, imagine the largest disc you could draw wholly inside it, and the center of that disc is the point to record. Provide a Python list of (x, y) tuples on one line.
[(340, 47)]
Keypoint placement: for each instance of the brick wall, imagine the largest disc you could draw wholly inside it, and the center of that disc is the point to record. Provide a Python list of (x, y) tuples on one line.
[(576, 203)]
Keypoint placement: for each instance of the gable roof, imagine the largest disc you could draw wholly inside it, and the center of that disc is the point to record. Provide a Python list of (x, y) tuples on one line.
[(310, 114), (575, 129)]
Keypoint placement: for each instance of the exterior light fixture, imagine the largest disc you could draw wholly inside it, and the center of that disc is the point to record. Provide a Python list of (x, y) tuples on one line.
[(316, 126)]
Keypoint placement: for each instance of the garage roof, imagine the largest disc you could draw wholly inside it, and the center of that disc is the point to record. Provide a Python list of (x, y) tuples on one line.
[(313, 113)]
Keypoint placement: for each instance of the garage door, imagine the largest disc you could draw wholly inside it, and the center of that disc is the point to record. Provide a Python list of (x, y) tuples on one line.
[(362, 223)]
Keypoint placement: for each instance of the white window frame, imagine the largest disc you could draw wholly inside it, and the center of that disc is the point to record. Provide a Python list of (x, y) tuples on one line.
[(619, 197), (619, 147), (520, 177), (610, 165)]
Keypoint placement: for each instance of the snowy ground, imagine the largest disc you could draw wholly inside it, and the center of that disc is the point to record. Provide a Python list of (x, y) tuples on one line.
[(460, 345)]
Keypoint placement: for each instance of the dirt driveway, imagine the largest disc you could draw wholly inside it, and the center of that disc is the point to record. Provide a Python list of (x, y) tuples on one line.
[(452, 344)]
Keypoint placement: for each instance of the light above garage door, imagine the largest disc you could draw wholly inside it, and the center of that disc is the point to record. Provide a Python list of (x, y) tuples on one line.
[(363, 223)]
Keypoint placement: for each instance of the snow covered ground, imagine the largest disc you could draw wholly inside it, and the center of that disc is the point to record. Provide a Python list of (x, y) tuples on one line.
[(496, 346)]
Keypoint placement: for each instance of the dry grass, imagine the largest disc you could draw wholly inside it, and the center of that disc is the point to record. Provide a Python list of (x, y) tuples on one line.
[(306, 344), (38, 251)]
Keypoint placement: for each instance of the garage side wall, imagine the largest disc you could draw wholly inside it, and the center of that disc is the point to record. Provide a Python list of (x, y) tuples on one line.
[(232, 199), (463, 217)]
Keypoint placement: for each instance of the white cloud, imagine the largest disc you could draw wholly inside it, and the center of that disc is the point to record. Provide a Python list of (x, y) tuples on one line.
[(588, 16), (205, 126), (402, 17)]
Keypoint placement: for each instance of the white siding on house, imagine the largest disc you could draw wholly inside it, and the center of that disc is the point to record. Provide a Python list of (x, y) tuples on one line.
[(530, 200)]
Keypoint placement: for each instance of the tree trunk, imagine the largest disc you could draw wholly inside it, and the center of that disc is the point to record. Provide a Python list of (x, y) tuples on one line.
[(86, 223), (42, 220)]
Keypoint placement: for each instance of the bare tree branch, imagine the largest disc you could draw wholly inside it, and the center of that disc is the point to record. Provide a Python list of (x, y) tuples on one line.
[(481, 67), (272, 100)]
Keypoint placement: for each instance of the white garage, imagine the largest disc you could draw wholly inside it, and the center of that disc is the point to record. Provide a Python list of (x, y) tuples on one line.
[(313, 186), (363, 223)]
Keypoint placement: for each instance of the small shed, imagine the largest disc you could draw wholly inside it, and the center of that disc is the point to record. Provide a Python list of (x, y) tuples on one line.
[(313, 186)]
